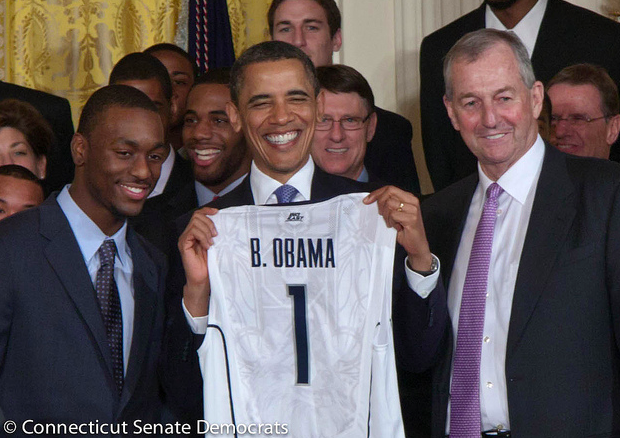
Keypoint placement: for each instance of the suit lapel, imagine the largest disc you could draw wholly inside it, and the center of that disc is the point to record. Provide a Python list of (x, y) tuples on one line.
[(64, 256), (145, 311), (552, 214)]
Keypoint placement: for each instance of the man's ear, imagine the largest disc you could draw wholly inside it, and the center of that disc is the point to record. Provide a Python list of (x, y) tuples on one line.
[(613, 128), (337, 41), (448, 104), (234, 117), (320, 105), (41, 166), (79, 149), (372, 126)]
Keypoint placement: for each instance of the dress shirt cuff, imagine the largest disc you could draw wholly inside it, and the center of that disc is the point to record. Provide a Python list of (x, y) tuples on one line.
[(420, 284), (198, 324)]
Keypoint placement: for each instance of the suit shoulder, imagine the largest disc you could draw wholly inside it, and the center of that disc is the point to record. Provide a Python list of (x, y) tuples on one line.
[(447, 35), (562, 10), (20, 226), (598, 171), (8, 90)]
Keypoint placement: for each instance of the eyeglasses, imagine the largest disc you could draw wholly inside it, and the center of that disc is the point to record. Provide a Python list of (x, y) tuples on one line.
[(346, 123), (575, 119)]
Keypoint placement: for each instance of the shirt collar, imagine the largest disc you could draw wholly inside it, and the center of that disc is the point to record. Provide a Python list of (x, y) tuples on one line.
[(521, 176), (88, 235), (164, 176), (206, 195), (364, 175), (263, 185), (526, 29)]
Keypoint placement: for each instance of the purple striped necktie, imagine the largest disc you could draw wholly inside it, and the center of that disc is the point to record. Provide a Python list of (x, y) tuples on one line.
[(465, 392)]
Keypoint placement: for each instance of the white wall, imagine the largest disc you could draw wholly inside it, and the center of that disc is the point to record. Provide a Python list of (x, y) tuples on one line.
[(381, 38)]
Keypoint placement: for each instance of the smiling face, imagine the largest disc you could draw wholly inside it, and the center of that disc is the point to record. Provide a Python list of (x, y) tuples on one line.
[(593, 139), (277, 111), (493, 109), (117, 165), (303, 23), (338, 151), (219, 154), (15, 149), (182, 76), (18, 194)]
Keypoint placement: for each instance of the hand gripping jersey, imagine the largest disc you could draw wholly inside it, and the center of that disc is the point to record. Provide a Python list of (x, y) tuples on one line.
[(299, 338)]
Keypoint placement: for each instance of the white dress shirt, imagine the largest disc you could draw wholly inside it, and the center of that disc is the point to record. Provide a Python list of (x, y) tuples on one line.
[(513, 215), (526, 29), (263, 187), (206, 195), (164, 175), (89, 238)]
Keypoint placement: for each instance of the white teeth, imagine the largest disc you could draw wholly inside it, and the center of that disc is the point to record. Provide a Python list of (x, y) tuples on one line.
[(135, 190), (494, 137), (206, 154), (337, 151), (282, 138)]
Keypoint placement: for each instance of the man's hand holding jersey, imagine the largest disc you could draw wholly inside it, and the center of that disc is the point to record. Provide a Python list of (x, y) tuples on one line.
[(193, 246), (401, 210)]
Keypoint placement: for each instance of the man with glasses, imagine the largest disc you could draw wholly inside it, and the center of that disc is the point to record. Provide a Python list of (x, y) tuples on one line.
[(584, 111), (347, 125)]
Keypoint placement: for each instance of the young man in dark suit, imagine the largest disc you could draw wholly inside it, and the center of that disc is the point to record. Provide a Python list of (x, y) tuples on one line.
[(560, 33), (528, 247), (81, 296), (276, 102)]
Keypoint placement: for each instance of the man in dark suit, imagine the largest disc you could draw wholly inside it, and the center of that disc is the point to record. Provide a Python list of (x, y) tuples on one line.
[(567, 34), (528, 248), (314, 27), (276, 101), (81, 293), (57, 112)]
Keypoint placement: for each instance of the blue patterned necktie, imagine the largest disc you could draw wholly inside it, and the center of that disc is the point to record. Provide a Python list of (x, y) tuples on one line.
[(465, 391), (285, 193), (110, 306)]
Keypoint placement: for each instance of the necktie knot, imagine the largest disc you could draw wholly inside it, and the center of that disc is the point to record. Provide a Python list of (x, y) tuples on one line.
[(107, 251), (494, 191), (285, 193)]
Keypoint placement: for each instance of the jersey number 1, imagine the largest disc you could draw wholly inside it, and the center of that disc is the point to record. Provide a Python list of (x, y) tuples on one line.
[(298, 292)]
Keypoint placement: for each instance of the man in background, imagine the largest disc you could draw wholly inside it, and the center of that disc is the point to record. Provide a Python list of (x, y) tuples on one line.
[(348, 123), (314, 27), (584, 111), (20, 190)]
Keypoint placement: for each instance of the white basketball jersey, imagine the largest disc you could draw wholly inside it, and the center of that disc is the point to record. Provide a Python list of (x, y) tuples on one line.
[(299, 334)]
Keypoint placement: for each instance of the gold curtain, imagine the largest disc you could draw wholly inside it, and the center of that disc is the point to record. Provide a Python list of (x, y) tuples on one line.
[(68, 47), (248, 22)]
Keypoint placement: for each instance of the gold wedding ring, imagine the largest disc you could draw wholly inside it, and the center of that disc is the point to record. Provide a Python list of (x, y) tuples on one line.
[(400, 207)]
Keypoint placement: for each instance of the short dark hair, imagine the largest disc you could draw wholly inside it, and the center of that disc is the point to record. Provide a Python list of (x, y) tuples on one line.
[(20, 172), (28, 120), (472, 45), (214, 76), (340, 78), (168, 47), (589, 74), (334, 20), (269, 51), (118, 95), (142, 66)]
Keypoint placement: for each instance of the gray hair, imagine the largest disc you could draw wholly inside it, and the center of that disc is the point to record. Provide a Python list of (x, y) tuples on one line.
[(472, 45)]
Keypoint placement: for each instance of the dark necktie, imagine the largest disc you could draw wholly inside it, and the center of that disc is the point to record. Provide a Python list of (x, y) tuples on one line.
[(285, 193), (465, 391), (110, 306)]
